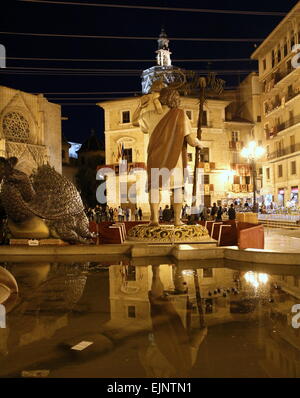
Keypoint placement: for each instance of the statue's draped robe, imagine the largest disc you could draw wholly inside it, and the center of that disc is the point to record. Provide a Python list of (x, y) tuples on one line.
[(167, 146)]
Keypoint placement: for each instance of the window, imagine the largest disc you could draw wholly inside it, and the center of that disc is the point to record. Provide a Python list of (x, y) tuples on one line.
[(189, 114), (190, 157), (125, 116), (285, 48), (206, 178), (204, 155), (247, 180), (280, 170), (268, 173), (234, 136), (292, 143), (127, 155), (279, 54), (236, 179), (293, 167), (131, 311), (207, 272), (260, 171), (16, 127), (273, 58), (264, 64), (292, 39)]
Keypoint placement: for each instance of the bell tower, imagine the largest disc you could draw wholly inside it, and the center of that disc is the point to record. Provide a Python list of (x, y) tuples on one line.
[(163, 53)]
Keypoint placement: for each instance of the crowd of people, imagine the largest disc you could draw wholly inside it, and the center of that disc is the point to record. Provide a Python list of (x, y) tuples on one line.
[(166, 214), (120, 214)]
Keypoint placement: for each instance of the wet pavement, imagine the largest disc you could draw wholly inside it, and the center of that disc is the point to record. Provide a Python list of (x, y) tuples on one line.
[(212, 318)]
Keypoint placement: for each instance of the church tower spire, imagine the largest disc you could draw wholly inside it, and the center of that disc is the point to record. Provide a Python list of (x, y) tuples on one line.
[(163, 53)]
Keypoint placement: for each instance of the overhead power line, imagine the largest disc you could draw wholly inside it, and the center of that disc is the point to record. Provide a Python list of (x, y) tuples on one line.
[(91, 93), (101, 72), (200, 39), (199, 10), (127, 60)]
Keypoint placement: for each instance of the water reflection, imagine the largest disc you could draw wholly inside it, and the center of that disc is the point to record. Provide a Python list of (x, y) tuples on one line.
[(167, 320)]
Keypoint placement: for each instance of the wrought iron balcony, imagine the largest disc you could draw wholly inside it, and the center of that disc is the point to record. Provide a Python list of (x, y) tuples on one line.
[(283, 151)]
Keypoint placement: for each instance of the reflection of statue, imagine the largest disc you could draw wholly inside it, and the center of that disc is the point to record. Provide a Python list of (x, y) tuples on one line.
[(175, 347), (48, 292), (170, 131), (49, 196), (8, 290)]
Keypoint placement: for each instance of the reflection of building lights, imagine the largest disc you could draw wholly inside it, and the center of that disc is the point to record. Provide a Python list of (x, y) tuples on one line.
[(255, 279), (188, 272)]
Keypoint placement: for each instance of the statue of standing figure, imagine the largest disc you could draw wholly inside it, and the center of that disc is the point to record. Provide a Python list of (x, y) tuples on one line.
[(170, 130)]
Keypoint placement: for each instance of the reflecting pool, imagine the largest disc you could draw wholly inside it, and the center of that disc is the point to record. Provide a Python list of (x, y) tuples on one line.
[(149, 318)]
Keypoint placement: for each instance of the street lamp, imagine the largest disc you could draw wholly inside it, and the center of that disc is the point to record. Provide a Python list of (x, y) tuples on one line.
[(253, 152)]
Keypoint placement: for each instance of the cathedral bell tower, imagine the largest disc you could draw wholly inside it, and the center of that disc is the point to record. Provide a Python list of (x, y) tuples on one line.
[(163, 70), (163, 53)]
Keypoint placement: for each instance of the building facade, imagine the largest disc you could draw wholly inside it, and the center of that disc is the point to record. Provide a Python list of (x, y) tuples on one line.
[(279, 76), (30, 129)]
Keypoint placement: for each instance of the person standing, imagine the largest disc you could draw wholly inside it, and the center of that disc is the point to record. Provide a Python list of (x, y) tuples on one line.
[(111, 214), (219, 214), (204, 214), (231, 212), (214, 211), (140, 214), (120, 214), (136, 214), (160, 214)]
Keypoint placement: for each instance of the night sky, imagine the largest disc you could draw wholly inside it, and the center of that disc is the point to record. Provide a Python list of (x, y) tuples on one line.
[(19, 16)]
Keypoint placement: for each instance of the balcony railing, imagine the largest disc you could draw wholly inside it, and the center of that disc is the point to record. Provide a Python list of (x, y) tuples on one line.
[(241, 188), (289, 123), (281, 75), (130, 167), (276, 78), (283, 152)]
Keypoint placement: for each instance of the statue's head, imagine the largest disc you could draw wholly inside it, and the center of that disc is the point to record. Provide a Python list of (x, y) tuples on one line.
[(169, 97)]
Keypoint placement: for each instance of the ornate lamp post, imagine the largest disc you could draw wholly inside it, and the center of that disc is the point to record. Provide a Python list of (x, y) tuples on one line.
[(252, 152)]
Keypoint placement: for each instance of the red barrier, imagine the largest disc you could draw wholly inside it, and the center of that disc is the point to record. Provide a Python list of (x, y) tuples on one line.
[(216, 230), (251, 238)]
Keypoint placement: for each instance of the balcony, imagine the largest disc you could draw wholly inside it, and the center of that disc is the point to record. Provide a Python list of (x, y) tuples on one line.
[(283, 152), (276, 78), (271, 132), (291, 95), (289, 123), (241, 188), (241, 169), (130, 167), (207, 166)]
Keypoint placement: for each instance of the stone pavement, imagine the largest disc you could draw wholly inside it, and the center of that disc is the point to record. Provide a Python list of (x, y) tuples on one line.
[(284, 240)]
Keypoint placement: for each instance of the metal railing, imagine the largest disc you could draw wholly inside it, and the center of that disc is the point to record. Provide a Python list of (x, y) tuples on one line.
[(283, 152)]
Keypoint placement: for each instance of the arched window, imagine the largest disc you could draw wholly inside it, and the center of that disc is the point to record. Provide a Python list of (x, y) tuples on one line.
[(15, 127)]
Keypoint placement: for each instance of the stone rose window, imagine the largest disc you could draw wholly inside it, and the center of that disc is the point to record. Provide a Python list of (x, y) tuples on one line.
[(15, 127)]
